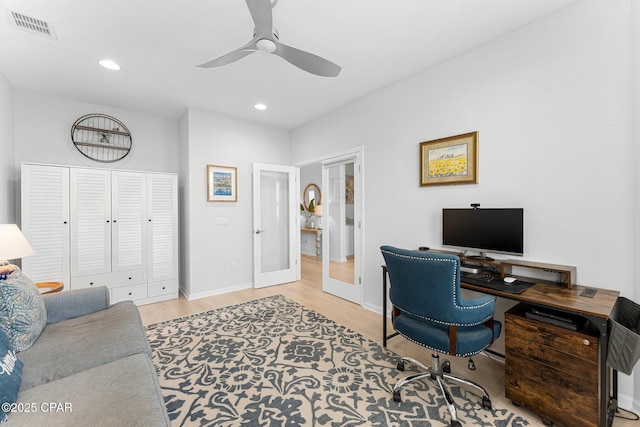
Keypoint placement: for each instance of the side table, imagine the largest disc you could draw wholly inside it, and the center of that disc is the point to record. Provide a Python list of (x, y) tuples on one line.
[(49, 287), (318, 233)]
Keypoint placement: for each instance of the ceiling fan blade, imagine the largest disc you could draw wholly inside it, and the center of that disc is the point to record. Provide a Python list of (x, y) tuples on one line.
[(261, 13), (232, 56), (307, 61)]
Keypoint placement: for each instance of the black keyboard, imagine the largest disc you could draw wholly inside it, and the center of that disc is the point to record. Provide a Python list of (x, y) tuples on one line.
[(474, 278), (478, 279)]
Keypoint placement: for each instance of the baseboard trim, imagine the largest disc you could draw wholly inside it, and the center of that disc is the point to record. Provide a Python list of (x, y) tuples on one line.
[(376, 309), (199, 295)]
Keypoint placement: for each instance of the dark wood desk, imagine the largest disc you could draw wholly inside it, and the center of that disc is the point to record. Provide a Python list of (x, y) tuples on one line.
[(597, 310)]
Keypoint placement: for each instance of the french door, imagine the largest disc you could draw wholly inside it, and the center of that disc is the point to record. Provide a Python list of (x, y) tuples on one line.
[(276, 229), (342, 244)]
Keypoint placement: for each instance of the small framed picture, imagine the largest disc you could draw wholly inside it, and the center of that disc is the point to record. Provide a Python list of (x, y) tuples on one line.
[(222, 183), (451, 160)]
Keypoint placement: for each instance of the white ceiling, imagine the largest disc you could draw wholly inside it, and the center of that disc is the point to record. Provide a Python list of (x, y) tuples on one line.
[(158, 43)]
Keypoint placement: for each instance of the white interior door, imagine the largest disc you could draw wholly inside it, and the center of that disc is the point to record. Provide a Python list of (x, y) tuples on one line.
[(342, 254), (276, 232)]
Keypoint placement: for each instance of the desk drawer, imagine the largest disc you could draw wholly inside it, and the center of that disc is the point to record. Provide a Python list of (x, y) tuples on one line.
[(564, 399), (551, 370), (573, 353)]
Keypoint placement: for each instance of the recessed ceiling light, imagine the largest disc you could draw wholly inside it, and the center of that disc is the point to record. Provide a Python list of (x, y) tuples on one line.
[(260, 107), (109, 64)]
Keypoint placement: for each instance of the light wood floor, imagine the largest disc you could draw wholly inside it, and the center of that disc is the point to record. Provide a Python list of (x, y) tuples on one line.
[(342, 271), (308, 292)]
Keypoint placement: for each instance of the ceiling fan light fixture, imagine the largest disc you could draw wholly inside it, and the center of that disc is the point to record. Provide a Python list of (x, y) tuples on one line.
[(109, 64), (267, 40), (266, 46)]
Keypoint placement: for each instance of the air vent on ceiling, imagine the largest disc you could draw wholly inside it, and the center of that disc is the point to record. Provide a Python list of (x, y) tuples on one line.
[(31, 24)]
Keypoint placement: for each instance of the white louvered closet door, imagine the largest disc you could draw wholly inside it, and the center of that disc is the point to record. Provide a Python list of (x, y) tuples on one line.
[(90, 221), (163, 226), (45, 222), (129, 228)]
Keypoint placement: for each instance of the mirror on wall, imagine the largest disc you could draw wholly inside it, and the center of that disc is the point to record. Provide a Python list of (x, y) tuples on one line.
[(341, 222), (311, 192)]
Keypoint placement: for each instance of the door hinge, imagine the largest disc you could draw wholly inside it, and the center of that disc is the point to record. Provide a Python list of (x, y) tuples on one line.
[(360, 280)]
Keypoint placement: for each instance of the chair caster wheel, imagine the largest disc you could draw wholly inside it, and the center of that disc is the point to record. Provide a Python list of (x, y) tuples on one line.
[(400, 366), (471, 365), (486, 402), (547, 422), (446, 368), (455, 424), (396, 396)]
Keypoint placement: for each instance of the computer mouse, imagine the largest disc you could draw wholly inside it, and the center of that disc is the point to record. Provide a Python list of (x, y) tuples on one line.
[(509, 280)]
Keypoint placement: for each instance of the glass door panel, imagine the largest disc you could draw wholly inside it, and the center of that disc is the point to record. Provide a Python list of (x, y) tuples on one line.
[(275, 231)]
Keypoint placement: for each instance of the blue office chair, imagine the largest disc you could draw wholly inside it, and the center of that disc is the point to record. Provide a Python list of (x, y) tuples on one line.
[(429, 310)]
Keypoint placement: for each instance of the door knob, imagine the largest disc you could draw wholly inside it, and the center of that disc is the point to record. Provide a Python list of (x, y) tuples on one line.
[(259, 231)]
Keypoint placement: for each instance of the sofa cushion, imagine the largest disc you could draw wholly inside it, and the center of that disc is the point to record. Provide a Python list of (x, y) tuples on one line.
[(80, 302), (124, 392), (10, 375), (22, 311), (77, 344)]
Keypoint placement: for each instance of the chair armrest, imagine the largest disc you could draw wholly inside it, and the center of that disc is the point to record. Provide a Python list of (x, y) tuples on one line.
[(484, 308), (75, 303)]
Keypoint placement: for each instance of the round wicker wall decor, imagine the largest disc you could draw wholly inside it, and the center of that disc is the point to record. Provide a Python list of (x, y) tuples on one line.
[(101, 138)]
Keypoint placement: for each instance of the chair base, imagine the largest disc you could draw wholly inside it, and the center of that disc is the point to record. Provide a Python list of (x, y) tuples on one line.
[(438, 371)]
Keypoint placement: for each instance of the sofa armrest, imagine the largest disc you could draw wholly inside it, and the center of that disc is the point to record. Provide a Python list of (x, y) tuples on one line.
[(75, 303)]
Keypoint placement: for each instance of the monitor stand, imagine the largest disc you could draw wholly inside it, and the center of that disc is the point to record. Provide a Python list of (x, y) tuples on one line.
[(482, 257)]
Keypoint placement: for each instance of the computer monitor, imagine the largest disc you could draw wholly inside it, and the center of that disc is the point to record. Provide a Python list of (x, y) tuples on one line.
[(494, 230)]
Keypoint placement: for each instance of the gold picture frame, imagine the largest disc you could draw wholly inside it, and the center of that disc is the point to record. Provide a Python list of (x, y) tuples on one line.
[(222, 183), (451, 160)]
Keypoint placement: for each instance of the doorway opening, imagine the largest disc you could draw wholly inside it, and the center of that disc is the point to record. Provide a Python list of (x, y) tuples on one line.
[(335, 238)]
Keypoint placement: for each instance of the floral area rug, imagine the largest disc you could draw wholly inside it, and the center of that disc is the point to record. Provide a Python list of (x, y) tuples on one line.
[(273, 362)]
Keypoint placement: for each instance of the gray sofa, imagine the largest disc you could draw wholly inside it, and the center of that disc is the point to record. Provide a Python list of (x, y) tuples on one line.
[(91, 366)]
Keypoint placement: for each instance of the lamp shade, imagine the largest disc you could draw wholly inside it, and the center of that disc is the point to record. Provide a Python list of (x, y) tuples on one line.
[(13, 244), (318, 210)]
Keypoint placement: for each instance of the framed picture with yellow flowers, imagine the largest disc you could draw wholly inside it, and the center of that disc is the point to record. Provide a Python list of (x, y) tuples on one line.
[(451, 160)]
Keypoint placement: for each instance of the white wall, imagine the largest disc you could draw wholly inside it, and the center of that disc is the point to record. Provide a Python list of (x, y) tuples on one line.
[(8, 175), (635, 17), (43, 134), (220, 257), (552, 103), (183, 200)]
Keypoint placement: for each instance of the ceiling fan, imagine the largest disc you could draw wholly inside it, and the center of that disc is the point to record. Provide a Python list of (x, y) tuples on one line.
[(266, 39)]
